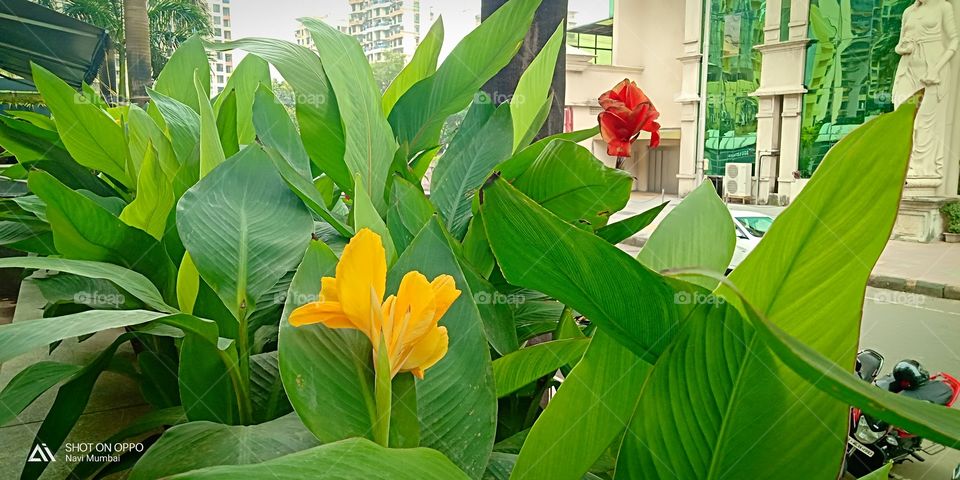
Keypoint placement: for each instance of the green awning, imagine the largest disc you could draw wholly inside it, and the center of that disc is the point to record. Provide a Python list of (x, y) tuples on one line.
[(71, 49)]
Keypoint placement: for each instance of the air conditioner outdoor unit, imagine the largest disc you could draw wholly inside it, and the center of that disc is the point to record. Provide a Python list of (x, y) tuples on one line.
[(736, 180)]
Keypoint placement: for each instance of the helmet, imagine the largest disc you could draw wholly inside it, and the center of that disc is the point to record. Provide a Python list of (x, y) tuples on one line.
[(910, 375)]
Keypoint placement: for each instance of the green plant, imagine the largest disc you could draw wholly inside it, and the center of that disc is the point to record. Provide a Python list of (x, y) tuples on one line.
[(207, 222), (951, 212)]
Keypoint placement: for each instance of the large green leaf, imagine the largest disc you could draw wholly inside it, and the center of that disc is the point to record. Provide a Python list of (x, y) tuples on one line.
[(211, 152), (511, 372), (154, 200), (276, 130), (21, 337), (306, 190), (197, 445), (244, 229), (570, 182), (29, 384), (182, 124), (365, 216), (624, 229), (533, 90), (353, 458), (422, 65), (418, 116), (472, 155), (176, 80), (246, 79), (83, 230), (704, 221), (409, 211), (317, 111), (91, 136), (521, 161), (227, 124), (266, 390), (369, 142), (456, 399), (132, 282), (567, 269), (328, 374), (142, 132)]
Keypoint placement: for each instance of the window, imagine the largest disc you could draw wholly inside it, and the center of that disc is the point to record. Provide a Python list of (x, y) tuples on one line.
[(595, 39), (229, 69), (226, 22), (217, 32), (216, 20), (219, 67), (226, 35), (228, 57), (216, 8), (219, 78), (226, 11)]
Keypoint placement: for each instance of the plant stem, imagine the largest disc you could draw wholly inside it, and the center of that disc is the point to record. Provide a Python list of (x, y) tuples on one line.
[(243, 352), (383, 391)]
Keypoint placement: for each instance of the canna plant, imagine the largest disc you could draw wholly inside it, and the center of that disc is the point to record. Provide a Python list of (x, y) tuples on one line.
[(275, 276)]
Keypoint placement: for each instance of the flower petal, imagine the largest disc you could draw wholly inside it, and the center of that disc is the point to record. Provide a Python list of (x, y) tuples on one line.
[(445, 291), (361, 278), (427, 352), (328, 290), (413, 312), (329, 314)]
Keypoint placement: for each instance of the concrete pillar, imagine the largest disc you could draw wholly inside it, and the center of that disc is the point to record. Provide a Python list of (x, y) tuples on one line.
[(689, 99)]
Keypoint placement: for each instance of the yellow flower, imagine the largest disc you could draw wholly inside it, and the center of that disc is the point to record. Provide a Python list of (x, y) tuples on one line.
[(406, 322)]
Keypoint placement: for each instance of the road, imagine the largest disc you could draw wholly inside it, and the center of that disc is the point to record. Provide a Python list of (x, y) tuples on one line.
[(901, 325)]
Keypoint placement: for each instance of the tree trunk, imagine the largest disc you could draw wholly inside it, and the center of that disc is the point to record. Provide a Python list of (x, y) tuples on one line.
[(502, 86), (136, 29)]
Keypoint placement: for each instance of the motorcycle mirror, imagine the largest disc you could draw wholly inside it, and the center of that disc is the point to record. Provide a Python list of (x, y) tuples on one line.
[(956, 473)]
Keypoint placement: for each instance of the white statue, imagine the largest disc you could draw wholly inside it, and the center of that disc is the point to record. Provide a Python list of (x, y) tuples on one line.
[(928, 40)]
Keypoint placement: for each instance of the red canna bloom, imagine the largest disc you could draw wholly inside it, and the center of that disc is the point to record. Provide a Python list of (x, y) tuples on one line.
[(627, 111)]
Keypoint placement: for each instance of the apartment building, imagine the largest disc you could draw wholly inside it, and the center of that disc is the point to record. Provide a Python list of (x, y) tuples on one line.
[(385, 26), (221, 63)]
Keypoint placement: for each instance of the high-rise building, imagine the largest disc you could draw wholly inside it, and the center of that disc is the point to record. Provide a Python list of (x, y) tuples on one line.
[(221, 63), (303, 37), (385, 26)]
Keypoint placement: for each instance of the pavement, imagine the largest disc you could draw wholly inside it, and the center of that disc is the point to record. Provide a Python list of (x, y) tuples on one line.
[(931, 269)]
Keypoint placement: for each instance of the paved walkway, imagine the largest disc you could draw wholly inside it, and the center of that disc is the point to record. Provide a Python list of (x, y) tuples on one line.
[(931, 269)]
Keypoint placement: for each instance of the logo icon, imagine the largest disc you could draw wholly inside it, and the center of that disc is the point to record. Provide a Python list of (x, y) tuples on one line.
[(41, 453)]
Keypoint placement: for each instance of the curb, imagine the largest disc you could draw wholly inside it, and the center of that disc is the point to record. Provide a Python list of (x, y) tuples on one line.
[(886, 282), (919, 287)]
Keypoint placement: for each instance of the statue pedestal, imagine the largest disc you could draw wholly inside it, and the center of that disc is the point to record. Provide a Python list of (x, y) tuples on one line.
[(919, 219)]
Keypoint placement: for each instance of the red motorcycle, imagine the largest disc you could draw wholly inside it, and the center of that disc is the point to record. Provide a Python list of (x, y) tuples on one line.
[(873, 443)]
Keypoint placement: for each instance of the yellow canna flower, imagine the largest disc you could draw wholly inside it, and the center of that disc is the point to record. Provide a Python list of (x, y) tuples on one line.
[(405, 323)]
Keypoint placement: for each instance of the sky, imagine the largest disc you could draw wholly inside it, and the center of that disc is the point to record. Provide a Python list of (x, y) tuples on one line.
[(278, 18)]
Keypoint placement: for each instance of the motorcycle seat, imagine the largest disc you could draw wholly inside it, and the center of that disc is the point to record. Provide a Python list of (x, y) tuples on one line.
[(933, 391)]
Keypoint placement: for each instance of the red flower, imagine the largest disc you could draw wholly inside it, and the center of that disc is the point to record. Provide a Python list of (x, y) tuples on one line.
[(627, 112)]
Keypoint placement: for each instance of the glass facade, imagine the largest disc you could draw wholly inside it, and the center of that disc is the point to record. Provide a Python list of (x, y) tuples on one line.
[(733, 73), (850, 70)]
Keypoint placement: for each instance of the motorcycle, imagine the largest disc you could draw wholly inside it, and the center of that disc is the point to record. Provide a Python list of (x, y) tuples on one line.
[(872, 443)]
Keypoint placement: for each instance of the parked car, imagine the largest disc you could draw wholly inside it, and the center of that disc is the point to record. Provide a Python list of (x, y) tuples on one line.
[(751, 226)]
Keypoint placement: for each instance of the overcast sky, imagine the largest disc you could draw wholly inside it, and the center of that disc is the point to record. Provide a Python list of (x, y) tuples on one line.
[(278, 18)]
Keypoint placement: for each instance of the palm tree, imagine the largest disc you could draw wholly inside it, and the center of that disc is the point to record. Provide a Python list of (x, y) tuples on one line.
[(168, 24), (136, 27)]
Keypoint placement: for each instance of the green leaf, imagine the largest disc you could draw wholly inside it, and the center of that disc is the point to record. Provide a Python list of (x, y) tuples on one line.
[(246, 79), (568, 269), (626, 228), (177, 79), (197, 445), (211, 152), (266, 390), (276, 130), (472, 155), (132, 282), (353, 458), (243, 228), (521, 161), (476, 247), (533, 91), (328, 374), (227, 124), (29, 384), (512, 372), (409, 211), (317, 112), (143, 132), (369, 141), (495, 312), (456, 399), (91, 136), (422, 65), (182, 124), (365, 216), (83, 230), (154, 200), (703, 214), (306, 190), (418, 116), (21, 337), (570, 182)]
